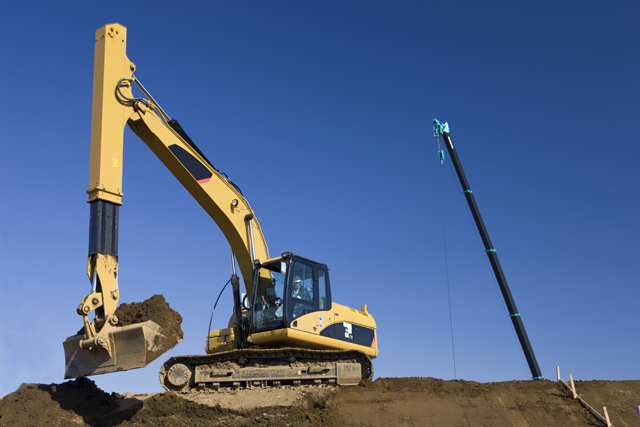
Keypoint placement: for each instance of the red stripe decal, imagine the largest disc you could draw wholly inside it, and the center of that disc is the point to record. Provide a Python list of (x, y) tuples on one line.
[(203, 181), (373, 342)]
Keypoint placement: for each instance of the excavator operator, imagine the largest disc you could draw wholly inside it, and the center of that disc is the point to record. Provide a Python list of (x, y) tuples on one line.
[(299, 291)]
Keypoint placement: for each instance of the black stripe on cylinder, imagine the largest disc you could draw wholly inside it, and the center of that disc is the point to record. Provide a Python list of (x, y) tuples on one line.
[(103, 228)]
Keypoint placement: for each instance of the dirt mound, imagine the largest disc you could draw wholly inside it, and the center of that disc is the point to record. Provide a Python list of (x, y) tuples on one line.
[(244, 400), (169, 409), (620, 397), (156, 309), (434, 402), (78, 402), (81, 403), (384, 402)]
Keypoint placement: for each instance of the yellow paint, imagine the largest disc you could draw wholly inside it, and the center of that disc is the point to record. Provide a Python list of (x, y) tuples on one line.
[(304, 336), (108, 116)]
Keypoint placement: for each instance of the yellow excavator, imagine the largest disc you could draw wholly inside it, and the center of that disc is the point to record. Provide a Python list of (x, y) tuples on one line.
[(286, 331)]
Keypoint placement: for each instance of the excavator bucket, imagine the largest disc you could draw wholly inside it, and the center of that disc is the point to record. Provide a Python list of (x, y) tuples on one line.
[(128, 347)]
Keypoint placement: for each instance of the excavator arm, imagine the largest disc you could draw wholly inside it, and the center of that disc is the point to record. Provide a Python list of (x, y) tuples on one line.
[(217, 196), (103, 347)]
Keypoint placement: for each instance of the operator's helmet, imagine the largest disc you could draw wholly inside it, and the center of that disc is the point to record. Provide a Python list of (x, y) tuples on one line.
[(296, 279)]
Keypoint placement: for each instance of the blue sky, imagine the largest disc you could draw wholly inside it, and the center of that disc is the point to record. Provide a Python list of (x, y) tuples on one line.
[(321, 112)]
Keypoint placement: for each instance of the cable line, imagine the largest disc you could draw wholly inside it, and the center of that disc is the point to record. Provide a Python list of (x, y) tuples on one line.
[(214, 310), (446, 263)]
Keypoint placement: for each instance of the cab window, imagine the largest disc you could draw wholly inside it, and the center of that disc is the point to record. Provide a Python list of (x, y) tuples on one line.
[(309, 289), (322, 290), (301, 290), (268, 299)]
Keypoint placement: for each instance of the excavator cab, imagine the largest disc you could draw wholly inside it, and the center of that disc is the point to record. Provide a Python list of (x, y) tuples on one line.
[(291, 306), (286, 289)]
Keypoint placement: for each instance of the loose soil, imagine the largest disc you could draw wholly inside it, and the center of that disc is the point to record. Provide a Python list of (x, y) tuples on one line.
[(619, 397), (384, 402), (157, 310)]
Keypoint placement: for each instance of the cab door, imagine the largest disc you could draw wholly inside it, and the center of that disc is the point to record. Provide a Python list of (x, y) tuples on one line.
[(313, 292)]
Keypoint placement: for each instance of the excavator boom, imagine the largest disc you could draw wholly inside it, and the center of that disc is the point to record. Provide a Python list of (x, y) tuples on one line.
[(103, 347)]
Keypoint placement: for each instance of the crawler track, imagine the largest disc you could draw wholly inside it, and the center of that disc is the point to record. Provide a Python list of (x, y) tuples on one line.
[(251, 368)]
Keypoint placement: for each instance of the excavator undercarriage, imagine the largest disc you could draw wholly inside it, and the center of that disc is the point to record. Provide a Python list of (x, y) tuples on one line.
[(263, 368)]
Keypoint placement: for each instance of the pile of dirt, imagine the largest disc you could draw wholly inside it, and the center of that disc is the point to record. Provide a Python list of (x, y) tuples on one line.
[(81, 403), (245, 399), (434, 402), (156, 309), (619, 397), (78, 402), (384, 402)]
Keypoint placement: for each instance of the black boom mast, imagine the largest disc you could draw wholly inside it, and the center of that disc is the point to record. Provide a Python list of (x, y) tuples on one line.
[(443, 130)]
